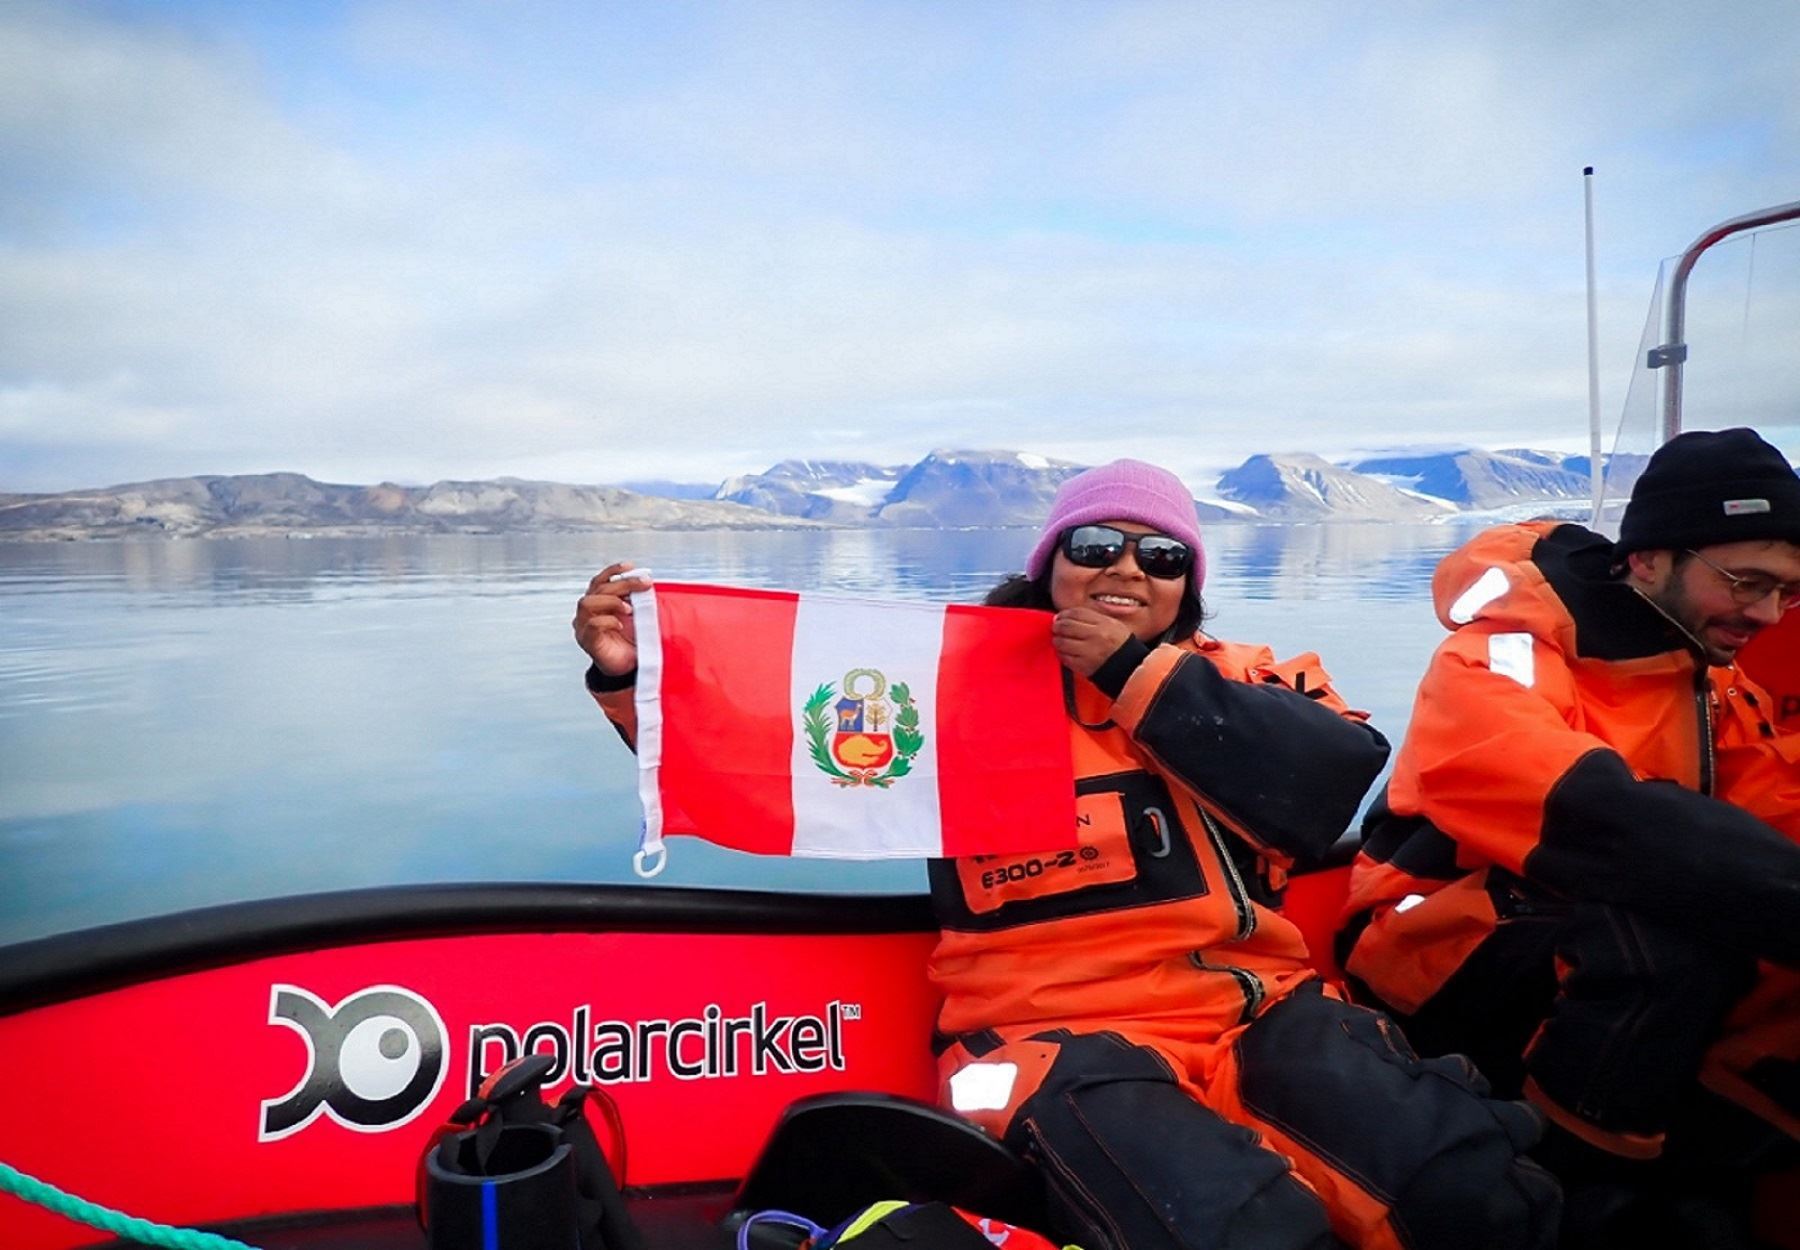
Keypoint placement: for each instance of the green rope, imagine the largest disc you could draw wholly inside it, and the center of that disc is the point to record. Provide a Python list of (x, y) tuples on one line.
[(48, 1196)]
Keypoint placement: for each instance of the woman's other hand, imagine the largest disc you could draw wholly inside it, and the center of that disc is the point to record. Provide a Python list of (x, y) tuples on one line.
[(603, 620), (1085, 639)]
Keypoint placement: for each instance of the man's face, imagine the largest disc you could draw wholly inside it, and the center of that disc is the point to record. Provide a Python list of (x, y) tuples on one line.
[(1700, 597)]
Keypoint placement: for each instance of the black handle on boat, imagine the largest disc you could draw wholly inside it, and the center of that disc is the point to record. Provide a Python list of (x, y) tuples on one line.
[(521, 1076)]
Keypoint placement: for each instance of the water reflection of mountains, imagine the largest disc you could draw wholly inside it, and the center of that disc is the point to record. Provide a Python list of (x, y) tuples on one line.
[(1290, 562), (1333, 562)]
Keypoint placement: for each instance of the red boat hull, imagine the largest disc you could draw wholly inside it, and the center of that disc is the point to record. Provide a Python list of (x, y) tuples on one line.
[(309, 1081)]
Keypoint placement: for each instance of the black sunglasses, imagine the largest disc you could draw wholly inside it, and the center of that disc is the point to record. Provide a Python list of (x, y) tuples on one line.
[(1100, 546)]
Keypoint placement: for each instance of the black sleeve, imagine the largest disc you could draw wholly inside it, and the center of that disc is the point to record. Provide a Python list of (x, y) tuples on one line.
[(1283, 769), (604, 683), (1111, 676), (1671, 854), (600, 683)]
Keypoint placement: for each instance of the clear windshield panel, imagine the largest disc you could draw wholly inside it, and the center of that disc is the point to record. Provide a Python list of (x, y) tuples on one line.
[(1743, 354), (1743, 332), (1640, 424)]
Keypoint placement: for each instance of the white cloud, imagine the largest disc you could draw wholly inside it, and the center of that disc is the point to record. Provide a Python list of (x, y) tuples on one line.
[(634, 242)]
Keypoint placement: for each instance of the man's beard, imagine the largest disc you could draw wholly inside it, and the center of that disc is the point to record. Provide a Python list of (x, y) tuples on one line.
[(1674, 603)]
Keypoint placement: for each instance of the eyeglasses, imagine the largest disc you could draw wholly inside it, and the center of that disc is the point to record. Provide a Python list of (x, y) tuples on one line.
[(1100, 546), (1749, 588)]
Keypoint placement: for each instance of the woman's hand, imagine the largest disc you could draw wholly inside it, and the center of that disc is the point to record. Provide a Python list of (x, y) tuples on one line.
[(603, 625), (1085, 639)]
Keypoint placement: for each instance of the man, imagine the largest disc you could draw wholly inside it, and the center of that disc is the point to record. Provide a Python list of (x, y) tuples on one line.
[(1586, 871)]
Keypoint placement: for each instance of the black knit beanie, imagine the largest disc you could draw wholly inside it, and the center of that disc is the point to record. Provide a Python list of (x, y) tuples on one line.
[(1708, 487)]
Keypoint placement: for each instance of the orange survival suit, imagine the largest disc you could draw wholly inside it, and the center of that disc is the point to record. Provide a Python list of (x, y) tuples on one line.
[(1586, 871), (1122, 1013)]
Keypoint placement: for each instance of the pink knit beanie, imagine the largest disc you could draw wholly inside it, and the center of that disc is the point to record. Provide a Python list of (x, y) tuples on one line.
[(1125, 490)]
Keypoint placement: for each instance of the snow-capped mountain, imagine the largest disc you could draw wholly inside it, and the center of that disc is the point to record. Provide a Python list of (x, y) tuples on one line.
[(976, 488), (947, 489), (1473, 478), (1298, 486), (819, 490)]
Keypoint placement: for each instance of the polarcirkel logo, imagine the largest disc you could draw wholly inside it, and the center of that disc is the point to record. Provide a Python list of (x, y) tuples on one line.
[(373, 1061), (710, 1045), (378, 1057)]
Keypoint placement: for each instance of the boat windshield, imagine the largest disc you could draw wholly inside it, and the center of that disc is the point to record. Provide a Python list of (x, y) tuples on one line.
[(1742, 367)]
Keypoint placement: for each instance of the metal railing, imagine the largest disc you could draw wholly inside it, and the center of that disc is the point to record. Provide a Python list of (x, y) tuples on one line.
[(1671, 353)]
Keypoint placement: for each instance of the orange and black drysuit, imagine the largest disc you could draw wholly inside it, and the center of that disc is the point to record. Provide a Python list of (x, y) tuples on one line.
[(1586, 858), (1137, 1015)]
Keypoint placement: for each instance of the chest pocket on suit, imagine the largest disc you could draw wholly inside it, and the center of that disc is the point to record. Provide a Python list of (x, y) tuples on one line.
[(1132, 850)]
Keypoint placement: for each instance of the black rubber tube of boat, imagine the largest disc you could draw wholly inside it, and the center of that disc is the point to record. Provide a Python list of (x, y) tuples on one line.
[(69, 965)]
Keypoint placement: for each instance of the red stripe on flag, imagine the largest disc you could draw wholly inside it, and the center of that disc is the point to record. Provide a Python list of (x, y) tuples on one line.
[(1005, 780), (726, 757)]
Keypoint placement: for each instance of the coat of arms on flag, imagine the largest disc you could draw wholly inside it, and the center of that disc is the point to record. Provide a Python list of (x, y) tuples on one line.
[(875, 734), (740, 710)]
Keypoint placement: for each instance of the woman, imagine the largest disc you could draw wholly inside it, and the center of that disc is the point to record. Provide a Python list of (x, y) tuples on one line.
[(1145, 1023), (1141, 1021)]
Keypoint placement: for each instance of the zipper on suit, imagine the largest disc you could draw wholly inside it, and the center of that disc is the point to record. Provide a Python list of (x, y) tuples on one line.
[(1703, 703), (1248, 982), (1234, 880)]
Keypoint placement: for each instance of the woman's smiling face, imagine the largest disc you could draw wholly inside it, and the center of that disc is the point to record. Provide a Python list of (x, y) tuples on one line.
[(1147, 606)]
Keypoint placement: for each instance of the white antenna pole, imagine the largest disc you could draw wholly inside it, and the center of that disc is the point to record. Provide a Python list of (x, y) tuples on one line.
[(1593, 335)]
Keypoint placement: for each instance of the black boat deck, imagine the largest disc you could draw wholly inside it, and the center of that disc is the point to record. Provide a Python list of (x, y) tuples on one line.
[(673, 1218), (828, 1157)]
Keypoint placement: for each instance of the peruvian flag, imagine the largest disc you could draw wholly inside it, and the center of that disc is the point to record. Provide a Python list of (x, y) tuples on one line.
[(817, 725)]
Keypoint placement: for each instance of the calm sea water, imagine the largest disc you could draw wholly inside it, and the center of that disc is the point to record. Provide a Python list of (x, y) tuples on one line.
[(193, 722)]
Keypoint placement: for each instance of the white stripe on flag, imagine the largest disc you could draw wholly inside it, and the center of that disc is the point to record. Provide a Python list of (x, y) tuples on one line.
[(833, 638), (648, 698)]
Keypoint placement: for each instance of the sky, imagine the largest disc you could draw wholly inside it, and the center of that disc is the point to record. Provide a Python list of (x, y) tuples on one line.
[(600, 242)]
